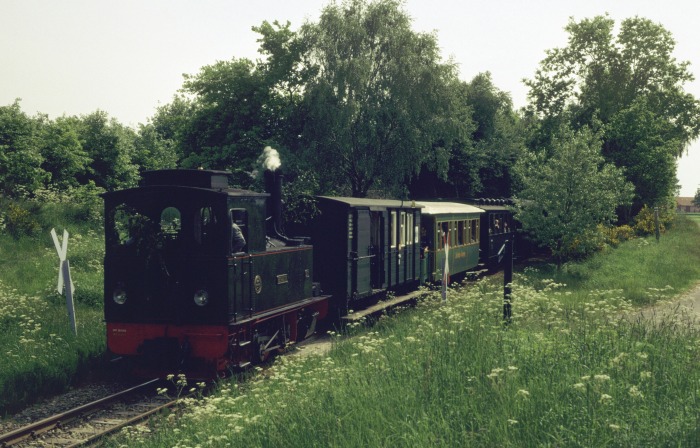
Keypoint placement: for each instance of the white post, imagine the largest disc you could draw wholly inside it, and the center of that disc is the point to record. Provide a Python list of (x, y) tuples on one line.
[(64, 278)]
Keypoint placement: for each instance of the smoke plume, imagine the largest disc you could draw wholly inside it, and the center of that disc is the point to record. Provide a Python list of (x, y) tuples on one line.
[(270, 159)]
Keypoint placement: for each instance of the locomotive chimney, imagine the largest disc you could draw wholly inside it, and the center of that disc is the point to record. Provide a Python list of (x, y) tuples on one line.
[(274, 180)]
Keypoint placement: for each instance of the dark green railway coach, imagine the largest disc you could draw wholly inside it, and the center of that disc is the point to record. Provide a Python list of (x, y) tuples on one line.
[(381, 250)]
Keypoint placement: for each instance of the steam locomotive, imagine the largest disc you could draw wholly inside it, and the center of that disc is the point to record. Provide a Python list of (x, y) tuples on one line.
[(200, 278)]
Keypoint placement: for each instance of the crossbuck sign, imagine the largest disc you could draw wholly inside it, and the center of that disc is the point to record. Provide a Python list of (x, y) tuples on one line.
[(64, 280)]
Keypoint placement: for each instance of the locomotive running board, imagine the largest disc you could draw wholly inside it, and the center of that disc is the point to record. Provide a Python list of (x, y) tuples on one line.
[(381, 306)]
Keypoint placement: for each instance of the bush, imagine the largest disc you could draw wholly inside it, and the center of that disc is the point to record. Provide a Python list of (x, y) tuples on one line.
[(19, 221), (616, 235), (645, 223), (78, 204), (584, 245)]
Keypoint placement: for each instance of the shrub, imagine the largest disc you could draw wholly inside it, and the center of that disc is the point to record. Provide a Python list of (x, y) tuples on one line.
[(78, 204), (616, 235), (585, 244), (19, 221), (645, 223)]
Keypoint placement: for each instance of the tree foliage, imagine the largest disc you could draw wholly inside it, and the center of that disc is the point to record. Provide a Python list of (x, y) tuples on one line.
[(110, 147), (616, 80), (568, 194), (65, 159), (498, 139), (20, 155), (378, 100)]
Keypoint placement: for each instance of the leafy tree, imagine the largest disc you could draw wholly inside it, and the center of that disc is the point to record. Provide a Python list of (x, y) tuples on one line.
[(20, 155), (64, 157), (568, 194), (696, 199), (498, 138), (151, 151), (648, 160), (110, 147), (615, 79), (232, 118), (378, 99)]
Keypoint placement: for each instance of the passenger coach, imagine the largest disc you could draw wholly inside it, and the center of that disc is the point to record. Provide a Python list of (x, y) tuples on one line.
[(453, 230), (365, 247)]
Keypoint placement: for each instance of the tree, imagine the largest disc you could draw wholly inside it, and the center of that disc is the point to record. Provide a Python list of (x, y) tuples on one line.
[(600, 77), (568, 194), (20, 155), (378, 99), (110, 147), (481, 164), (151, 151), (696, 199), (498, 138), (64, 157)]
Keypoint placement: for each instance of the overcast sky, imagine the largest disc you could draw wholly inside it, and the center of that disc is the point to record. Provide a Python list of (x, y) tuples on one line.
[(127, 57)]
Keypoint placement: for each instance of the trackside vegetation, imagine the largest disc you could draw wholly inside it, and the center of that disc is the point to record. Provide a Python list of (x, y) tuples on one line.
[(566, 372), (39, 354)]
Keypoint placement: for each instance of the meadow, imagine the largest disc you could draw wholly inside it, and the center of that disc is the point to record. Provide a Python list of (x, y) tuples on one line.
[(39, 353), (575, 367)]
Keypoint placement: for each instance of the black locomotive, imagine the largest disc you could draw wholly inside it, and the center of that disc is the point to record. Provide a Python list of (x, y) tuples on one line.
[(181, 293), (199, 278)]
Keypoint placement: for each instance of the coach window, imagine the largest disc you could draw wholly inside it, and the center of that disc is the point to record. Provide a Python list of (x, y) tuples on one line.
[(393, 237), (416, 233), (409, 228), (444, 233), (170, 222), (460, 233), (402, 230), (475, 230)]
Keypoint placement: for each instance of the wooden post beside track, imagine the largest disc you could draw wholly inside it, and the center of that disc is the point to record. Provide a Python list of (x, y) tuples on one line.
[(656, 223), (507, 280)]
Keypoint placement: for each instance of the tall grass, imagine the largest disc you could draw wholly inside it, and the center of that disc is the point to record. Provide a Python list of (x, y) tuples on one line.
[(639, 267), (39, 354), (565, 372)]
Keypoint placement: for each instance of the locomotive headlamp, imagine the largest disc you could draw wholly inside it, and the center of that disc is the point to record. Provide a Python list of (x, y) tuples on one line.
[(201, 297), (119, 295)]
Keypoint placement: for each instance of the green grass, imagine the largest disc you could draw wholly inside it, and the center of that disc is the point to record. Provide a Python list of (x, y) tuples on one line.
[(39, 354), (566, 372), (638, 267)]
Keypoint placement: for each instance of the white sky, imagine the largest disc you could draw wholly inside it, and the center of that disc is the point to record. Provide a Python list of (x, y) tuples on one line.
[(127, 57)]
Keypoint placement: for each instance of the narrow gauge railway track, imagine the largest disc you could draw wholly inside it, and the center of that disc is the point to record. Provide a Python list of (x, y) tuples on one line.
[(86, 424)]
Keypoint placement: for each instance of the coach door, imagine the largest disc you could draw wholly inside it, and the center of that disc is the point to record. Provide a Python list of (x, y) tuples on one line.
[(361, 254), (377, 250)]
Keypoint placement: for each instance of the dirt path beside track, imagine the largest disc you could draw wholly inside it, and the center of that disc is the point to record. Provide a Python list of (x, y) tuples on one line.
[(685, 306)]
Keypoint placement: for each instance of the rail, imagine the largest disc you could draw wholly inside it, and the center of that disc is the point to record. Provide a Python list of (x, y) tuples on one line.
[(67, 423)]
